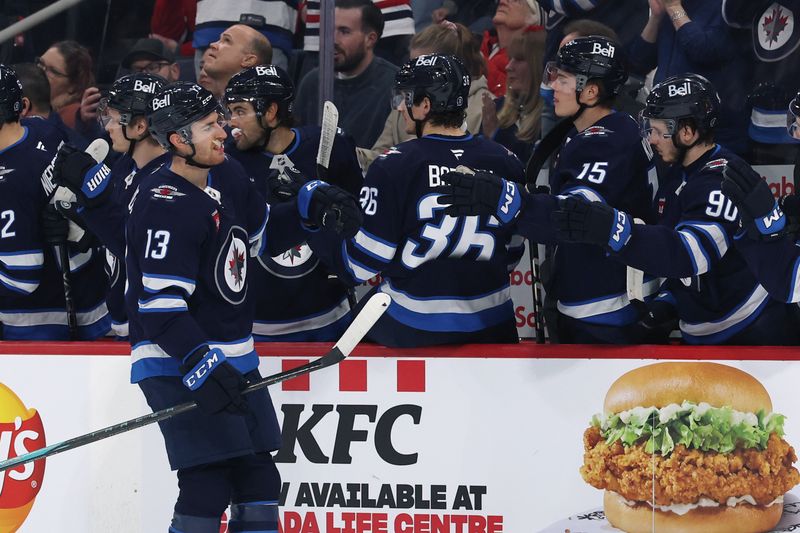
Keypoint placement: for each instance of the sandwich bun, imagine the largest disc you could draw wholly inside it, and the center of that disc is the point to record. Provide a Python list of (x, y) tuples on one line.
[(661, 384), (744, 518)]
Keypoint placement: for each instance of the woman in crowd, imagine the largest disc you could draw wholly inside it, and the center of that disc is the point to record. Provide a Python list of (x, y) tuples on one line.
[(68, 66), (514, 120), (445, 38)]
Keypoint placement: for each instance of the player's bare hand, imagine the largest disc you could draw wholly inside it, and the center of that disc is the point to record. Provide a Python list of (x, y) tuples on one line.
[(656, 8), (89, 104)]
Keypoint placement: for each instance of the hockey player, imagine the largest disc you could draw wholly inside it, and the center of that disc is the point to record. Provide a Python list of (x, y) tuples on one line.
[(602, 159), (193, 226), (768, 238), (709, 286), (104, 210), (32, 302), (447, 276), (295, 298)]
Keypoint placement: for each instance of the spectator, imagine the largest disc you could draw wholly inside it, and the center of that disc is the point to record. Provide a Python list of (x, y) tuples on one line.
[(68, 66), (37, 114), (511, 18), (363, 84), (446, 38), (239, 47), (475, 14), (775, 71), (276, 20), (174, 25), (152, 56), (517, 124), (691, 36)]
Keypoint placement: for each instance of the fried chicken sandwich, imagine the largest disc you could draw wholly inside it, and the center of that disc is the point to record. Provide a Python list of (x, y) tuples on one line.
[(690, 448)]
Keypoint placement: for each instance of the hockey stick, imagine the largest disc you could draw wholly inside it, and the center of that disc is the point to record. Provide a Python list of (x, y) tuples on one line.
[(362, 323), (330, 121), (69, 302)]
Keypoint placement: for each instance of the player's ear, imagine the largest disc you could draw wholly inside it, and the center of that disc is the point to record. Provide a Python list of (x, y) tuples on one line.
[(26, 106), (271, 114), (688, 134), (176, 139)]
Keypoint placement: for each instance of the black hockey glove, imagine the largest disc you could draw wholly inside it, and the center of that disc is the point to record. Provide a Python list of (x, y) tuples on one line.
[(577, 220), (655, 326), (80, 173), (79, 233), (480, 193), (55, 228), (215, 384), (329, 208), (283, 185), (760, 215)]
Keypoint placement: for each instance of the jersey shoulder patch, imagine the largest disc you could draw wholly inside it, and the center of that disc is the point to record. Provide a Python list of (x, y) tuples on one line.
[(596, 131), (166, 192), (715, 165)]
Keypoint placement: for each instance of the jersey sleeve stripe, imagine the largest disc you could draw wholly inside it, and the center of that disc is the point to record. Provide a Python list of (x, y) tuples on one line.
[(147, 349), (452, 305), (153, 283), (585, 192), (258, 240), (359, 272), (700, 260), (714, 232), (742, 312), (794, 290), (28, 260), (373, 246), (163, 304), (18, 285)]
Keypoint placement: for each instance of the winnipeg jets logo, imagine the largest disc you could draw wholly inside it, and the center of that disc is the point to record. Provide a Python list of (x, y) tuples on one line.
[(774, 32), (457, 153), (230, 268), (716, 164), (775, 26), (293, 263), (390, 151), (596, 131), (166, 192)]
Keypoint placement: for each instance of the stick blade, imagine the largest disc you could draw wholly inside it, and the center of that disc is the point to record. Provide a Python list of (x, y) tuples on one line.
[(330, 120), (363, 322)]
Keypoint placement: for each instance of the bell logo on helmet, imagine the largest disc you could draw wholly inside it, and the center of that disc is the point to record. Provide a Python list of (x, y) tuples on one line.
[(139, 85), (266, 71), (684, 89), (425, 61), (598, 48), (159, 103)]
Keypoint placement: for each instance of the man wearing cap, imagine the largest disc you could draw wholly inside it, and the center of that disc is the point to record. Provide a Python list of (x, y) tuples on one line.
[(147, 55)]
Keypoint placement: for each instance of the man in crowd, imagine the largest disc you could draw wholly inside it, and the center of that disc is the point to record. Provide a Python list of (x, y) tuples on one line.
[(362, 88), (239, 47)]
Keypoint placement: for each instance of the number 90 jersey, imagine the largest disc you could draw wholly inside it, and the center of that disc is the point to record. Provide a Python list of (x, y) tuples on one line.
[(188, 253), (448, 276)]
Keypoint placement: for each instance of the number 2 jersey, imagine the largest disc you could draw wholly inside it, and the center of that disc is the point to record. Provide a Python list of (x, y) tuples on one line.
[(188, 259), (448, 276), (32, 303), (296, 298)]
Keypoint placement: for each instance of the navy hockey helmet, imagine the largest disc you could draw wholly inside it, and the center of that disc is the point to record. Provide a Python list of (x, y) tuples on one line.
[(593, 58), (175, 107), (130, 95), (793, 116), (261, 85), (10, 95), (681, 97), (442, 78)]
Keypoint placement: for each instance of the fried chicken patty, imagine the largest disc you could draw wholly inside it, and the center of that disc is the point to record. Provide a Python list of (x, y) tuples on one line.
[(687, 474)]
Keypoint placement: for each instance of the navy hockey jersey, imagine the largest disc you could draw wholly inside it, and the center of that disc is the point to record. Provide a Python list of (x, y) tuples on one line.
[(715, 294), (447, 276), (32, 306), (188, 260), (607, 162), (52, 131), (296, 298), (107, 222)]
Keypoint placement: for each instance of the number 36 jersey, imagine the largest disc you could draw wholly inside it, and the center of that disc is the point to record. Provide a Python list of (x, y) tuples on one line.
[(447, 276)]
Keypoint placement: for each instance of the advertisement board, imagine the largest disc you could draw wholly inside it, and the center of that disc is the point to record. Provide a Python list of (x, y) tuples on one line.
[(469, 439)]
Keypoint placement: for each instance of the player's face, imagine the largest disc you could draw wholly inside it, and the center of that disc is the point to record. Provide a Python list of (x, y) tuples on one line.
[(224, 57), (109, 118), (659, 137), (564, 97), (246, 132), (518, 76), (208, 136), (350, 40)]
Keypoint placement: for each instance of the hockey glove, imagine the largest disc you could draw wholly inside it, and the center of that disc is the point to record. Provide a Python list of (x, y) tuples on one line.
[(80, 173), (284, 184), (329, 208), (215, 384), (79, 233), (480, 193), (761, 216), (55, 228), (659, 321), (577, 220)]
